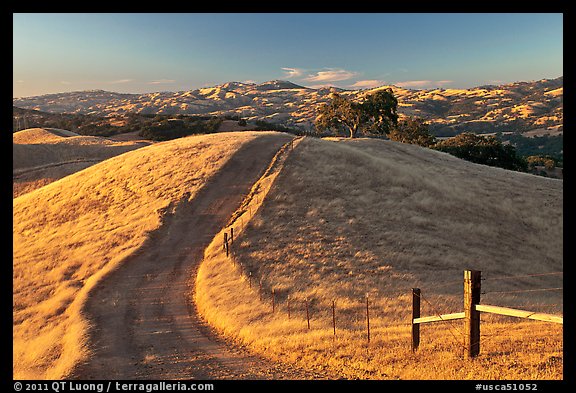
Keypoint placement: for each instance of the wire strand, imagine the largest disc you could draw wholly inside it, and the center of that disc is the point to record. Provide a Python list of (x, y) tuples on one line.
[(525, 290), (522, 276), (439, 315)]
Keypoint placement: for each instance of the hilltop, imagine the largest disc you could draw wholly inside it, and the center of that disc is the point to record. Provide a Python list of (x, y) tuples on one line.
[(350, 219), (535, 106)]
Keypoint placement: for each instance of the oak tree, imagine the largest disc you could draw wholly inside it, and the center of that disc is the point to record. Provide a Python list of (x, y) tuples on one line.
[(376, 114)]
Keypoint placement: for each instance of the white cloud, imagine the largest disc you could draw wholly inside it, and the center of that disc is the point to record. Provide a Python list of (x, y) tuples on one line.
[(162, 82), (66, 82), (119, 81), (423, 84), (292, 72), (331, 75), (368, 84)]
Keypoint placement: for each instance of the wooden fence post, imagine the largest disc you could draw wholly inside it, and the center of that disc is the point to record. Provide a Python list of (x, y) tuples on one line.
[(273, 300), (415, 314), (288, 300), (334, 316), (231, 235), (226, 245), (250, 280), (471, 315)]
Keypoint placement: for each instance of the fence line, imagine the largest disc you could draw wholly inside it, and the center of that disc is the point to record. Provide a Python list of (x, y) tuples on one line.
[(525, 290), (470, 315), (521, 276), (437, 317), (445, 317)]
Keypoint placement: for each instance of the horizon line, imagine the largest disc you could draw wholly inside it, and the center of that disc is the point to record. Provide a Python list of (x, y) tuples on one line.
[(288, 81)]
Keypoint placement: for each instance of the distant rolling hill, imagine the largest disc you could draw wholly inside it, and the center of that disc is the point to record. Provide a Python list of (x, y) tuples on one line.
[(43, 155), (519, 106)]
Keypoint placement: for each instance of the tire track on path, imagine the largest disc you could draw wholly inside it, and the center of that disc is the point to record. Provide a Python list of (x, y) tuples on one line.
[(144, 323)]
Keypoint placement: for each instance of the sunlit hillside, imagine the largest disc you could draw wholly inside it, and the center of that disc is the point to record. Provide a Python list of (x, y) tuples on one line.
[(43, 155), (519, 106), (347, 220), (69, 234)]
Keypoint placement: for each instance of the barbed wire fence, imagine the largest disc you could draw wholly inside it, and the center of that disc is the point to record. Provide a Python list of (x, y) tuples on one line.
[(325, 313)]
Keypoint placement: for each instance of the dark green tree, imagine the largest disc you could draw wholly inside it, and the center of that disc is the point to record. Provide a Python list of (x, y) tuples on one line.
[(376, 114), (412, 130), (381, 110), (341, 114), (486, 150)]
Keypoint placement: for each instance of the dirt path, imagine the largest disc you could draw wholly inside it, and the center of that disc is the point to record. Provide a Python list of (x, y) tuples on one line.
[(144, 323)]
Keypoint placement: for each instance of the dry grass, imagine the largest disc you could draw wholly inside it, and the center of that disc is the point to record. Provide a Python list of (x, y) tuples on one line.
[(33, 179), (40, 135), (37, 147), (347, 218), (44, 155), (68, 234)]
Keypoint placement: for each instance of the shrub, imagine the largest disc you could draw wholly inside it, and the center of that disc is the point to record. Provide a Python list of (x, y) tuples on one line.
[(486, 150), (412, 130), (177, 128)]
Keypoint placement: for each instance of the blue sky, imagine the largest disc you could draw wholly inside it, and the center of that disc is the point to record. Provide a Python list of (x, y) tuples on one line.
[(139, 53)]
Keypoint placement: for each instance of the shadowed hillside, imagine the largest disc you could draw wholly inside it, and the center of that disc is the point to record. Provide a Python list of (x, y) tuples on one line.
[(347, 218)]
